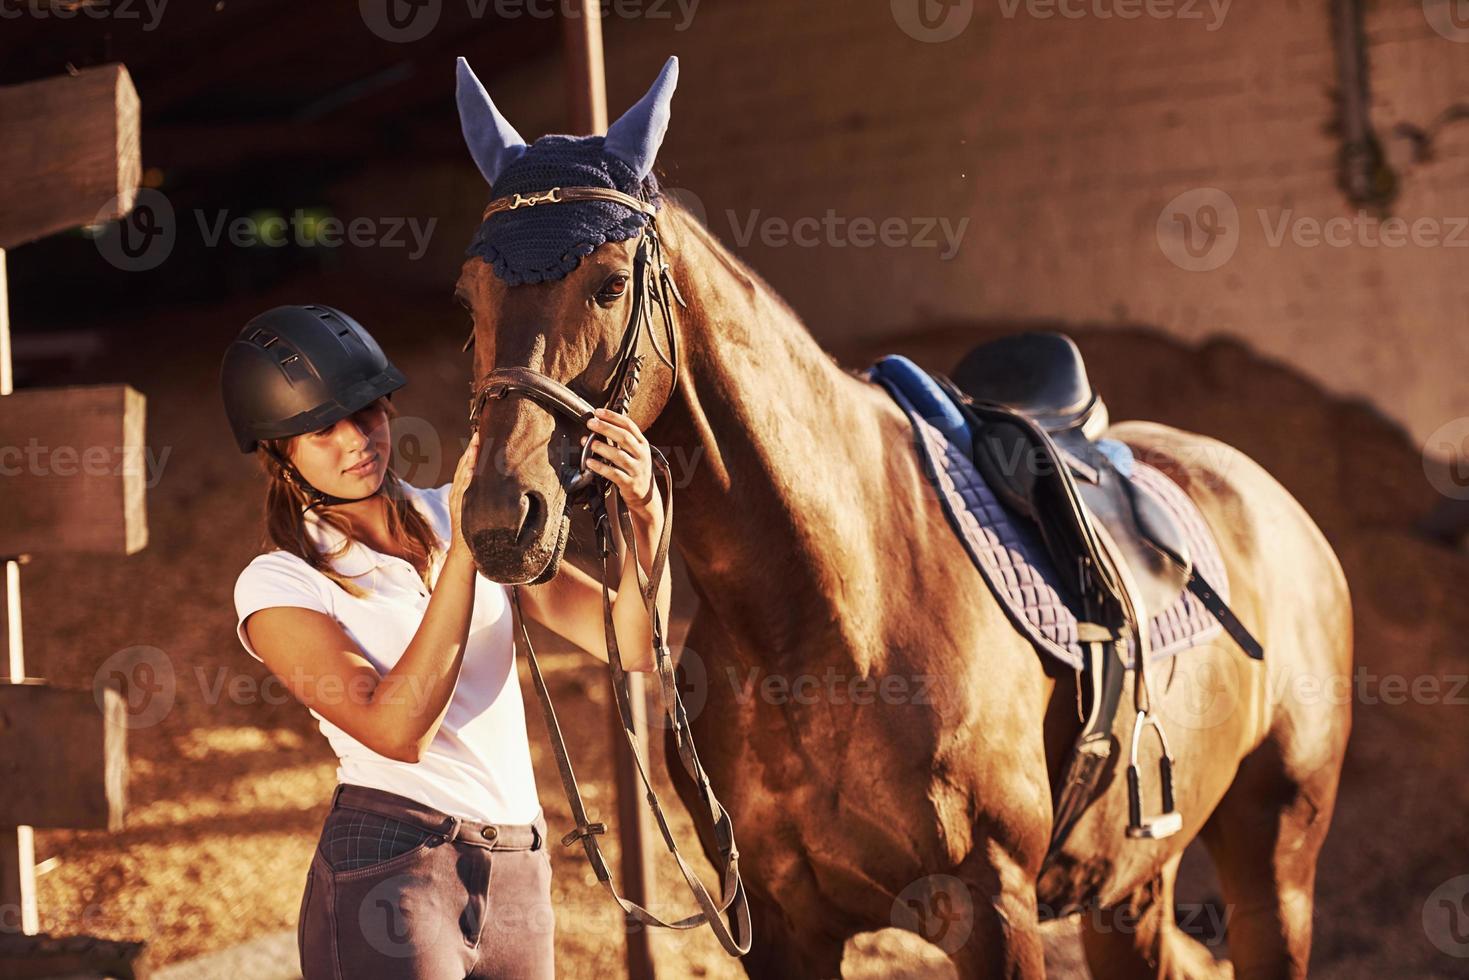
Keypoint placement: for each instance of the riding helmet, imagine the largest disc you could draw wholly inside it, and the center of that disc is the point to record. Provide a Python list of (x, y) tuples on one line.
[(297, 369)]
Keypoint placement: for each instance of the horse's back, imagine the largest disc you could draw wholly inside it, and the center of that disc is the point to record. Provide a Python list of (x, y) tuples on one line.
[(1284, 579)]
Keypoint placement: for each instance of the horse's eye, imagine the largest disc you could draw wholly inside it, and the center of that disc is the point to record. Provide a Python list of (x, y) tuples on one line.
[(613, 289)]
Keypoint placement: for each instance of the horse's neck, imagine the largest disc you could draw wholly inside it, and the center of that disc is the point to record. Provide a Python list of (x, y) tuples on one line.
[(765, 433)]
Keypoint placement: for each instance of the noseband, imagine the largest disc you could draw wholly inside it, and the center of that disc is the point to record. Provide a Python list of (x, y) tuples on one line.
[(649, 290)]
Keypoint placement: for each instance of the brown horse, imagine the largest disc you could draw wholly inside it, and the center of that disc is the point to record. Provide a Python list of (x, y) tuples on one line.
[(818, 551)]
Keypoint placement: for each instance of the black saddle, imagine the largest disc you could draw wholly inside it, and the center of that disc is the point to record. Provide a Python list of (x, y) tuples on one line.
[(1038, 440), (1035, 427)]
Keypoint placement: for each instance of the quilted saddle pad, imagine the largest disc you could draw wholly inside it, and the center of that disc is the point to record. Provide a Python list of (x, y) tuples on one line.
[(1008, 551)]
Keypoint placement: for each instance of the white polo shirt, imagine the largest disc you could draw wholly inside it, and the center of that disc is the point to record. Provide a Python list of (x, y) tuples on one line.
[(478, 765)]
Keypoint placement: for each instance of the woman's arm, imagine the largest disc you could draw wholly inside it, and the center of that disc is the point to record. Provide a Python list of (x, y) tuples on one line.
[(571, 603), (396, 714), (629, 613)]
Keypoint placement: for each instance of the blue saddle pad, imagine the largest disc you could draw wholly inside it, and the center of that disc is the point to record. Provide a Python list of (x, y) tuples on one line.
[(1008, 550)]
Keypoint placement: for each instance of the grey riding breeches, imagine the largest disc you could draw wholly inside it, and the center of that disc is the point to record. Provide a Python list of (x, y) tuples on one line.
[(400, 891)]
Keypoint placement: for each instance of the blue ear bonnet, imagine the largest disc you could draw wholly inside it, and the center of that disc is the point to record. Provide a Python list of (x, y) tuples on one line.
[(546, 242)]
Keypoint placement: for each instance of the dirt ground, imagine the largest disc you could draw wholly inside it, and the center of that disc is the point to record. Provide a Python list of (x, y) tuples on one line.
[(228, 790)]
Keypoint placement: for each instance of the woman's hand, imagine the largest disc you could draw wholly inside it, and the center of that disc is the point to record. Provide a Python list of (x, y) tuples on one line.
[(462, 475), (626, 460)]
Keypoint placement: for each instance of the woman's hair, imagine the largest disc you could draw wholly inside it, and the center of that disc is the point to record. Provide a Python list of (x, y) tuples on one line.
[(285, 524)]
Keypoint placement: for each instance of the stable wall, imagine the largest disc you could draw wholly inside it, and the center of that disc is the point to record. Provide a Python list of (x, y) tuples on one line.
[(1057, 144)]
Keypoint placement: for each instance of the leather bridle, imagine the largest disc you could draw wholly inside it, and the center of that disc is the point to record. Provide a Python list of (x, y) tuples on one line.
[(653, 287)]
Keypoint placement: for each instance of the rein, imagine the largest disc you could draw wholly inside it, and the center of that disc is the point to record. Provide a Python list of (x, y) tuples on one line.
[(591, 490)]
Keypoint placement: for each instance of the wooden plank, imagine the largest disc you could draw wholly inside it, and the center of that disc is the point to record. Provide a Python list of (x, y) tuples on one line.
[(17, 844), (7, 369), (47, 732), (48, 957), (81, 152), (586, 78), (74, 470), (586, 93)]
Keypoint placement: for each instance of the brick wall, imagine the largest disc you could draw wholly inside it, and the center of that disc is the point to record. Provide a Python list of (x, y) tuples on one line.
[(1060, 141)]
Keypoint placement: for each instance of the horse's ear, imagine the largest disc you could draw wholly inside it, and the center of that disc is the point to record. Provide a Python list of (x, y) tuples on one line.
[(635, 138), (492, 141)]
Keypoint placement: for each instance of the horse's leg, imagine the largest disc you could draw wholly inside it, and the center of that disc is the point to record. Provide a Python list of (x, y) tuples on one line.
[(776, 953), (1264, 839), (1005, 938), (1140, 938)]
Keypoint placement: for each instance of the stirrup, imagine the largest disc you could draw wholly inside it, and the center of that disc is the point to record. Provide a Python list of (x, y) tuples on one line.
[(1170, 821)]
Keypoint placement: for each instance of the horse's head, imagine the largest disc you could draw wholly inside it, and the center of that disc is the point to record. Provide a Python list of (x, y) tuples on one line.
[(564, 281)]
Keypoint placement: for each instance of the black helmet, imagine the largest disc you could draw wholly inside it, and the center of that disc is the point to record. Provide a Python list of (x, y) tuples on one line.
[(296, 369)]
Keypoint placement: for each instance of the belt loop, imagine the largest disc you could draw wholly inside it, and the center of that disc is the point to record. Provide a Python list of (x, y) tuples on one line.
[(452, 831), (337, 793)]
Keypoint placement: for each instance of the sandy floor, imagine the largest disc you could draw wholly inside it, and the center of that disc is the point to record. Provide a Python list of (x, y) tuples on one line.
[(227, 794)]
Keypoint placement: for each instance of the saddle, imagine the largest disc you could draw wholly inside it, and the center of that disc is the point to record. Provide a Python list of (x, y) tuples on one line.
[(1040, 437), (1023, 410)]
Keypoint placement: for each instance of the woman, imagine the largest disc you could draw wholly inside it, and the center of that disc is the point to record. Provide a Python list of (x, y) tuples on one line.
[(432, 860)]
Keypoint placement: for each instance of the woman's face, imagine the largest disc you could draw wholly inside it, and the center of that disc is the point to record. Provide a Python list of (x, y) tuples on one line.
[(348, 459)]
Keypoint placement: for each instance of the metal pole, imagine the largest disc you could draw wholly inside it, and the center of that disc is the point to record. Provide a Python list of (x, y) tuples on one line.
[(586, 96), (17, 844)]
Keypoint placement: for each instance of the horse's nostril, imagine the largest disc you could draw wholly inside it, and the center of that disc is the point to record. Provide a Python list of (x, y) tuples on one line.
[(532, 514)]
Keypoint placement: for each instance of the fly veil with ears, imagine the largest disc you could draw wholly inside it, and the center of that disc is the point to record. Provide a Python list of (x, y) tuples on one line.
[(554, 203)]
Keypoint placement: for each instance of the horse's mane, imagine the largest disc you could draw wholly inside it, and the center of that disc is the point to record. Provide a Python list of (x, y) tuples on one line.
[(761, 290)]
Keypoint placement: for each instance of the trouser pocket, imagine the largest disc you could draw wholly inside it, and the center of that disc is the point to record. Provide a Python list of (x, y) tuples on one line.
[(413, 915), (356, 840)]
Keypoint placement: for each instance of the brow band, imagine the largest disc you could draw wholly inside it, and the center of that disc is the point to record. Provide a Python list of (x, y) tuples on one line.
[(562, 195)]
